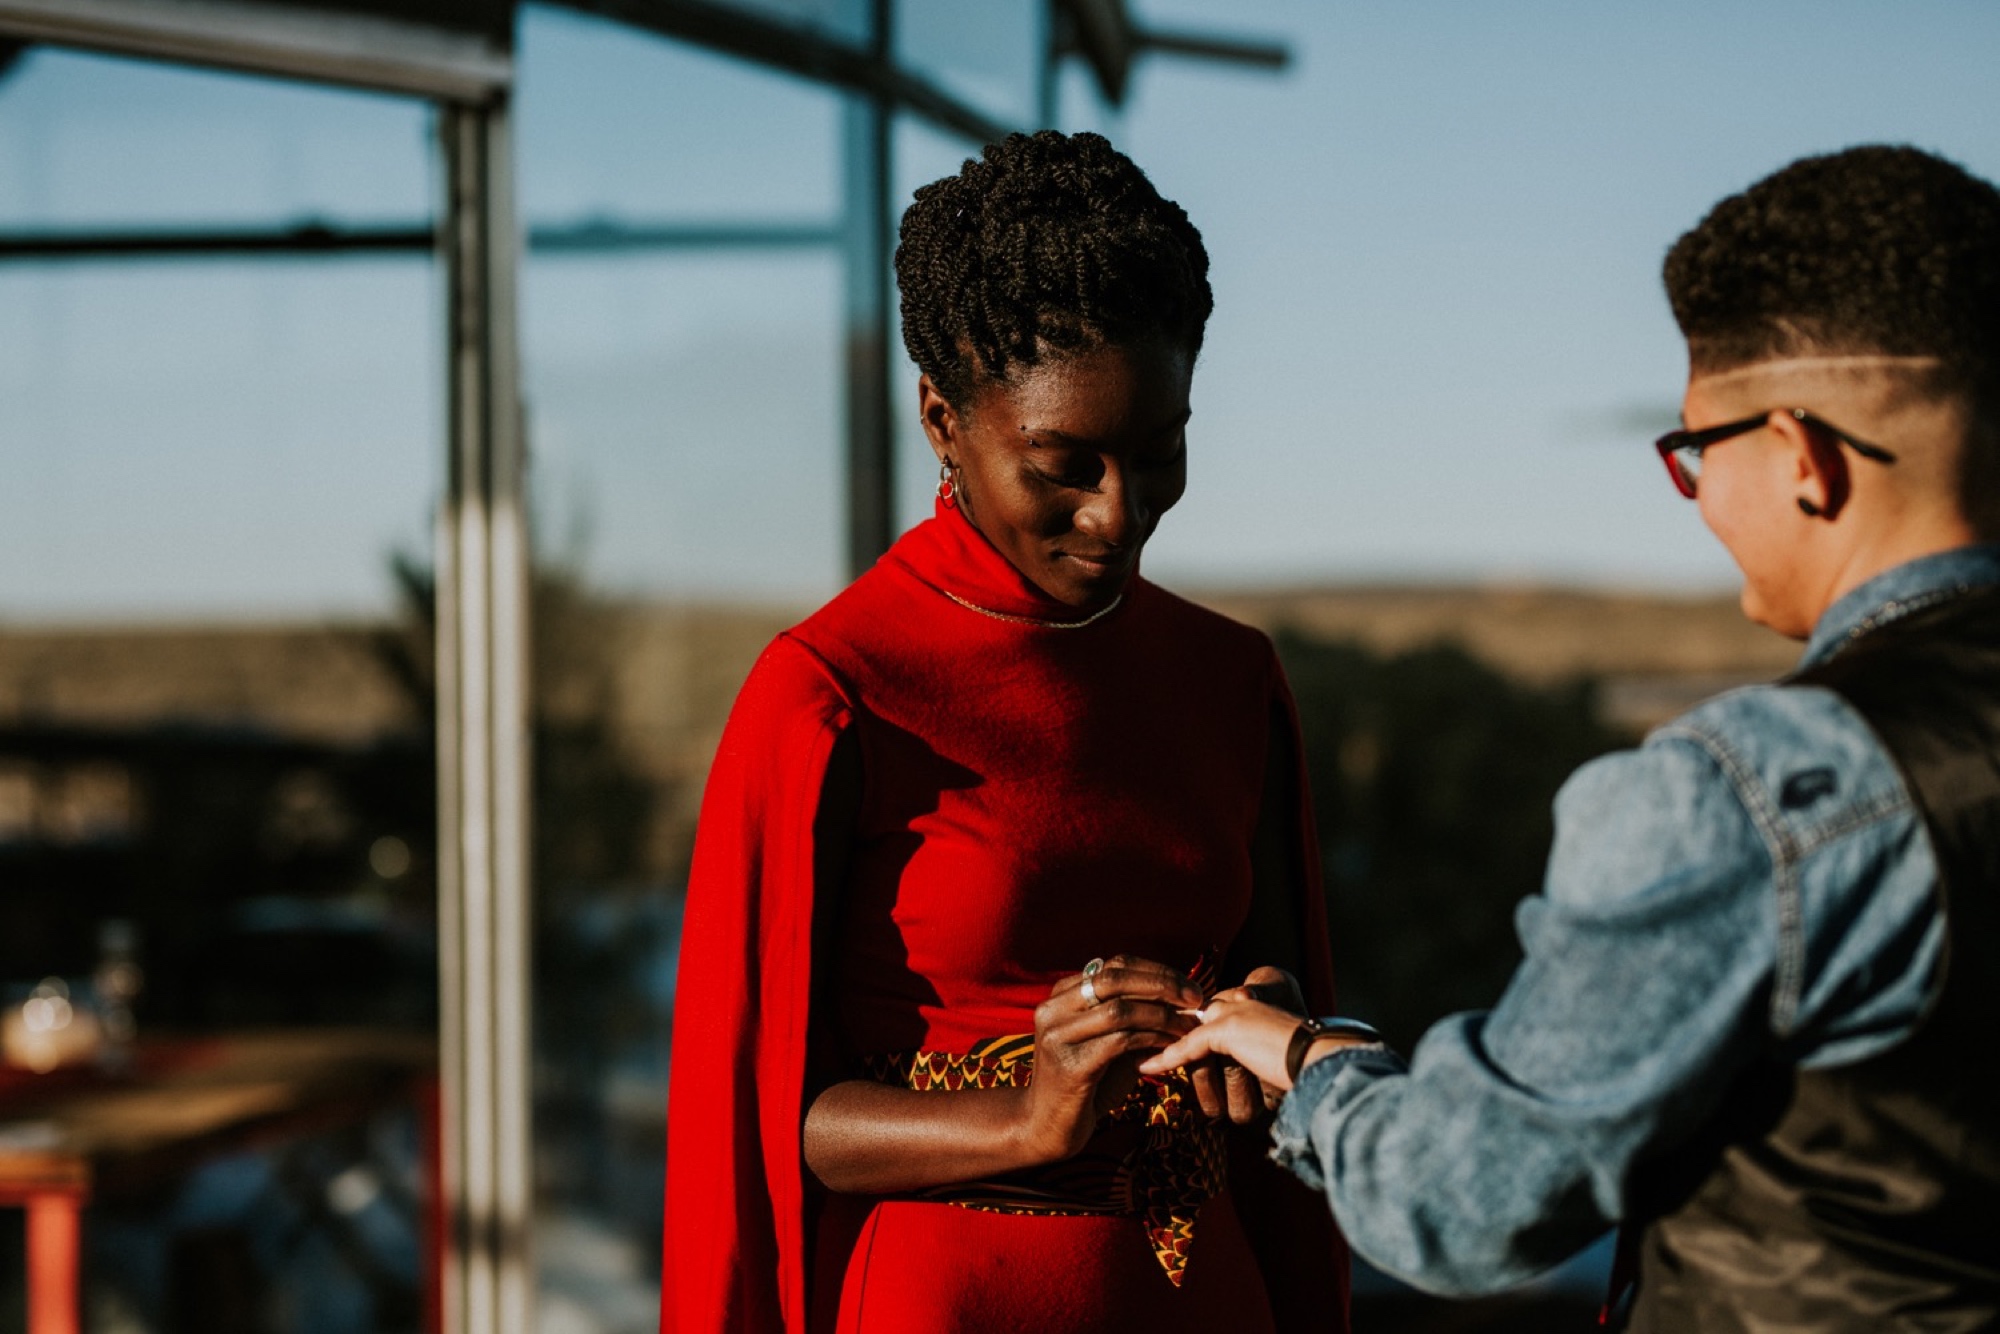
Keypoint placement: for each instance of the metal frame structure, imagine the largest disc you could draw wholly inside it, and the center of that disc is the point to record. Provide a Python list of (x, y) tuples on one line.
[(358, 47), (457, 54), (484, 811)]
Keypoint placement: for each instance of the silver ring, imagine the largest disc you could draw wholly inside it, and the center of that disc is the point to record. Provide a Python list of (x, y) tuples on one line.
[(1090, 972)]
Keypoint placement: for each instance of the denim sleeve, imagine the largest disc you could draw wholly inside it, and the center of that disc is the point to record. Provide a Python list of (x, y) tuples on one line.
[(1505, 1145)]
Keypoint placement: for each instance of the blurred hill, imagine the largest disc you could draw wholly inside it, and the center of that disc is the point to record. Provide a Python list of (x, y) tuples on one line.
[(1651, 655), (657, 679)]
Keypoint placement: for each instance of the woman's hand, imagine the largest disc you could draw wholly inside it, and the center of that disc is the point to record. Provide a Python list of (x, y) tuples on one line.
[(1087, 1051), (865, 1138), (1250, 1032), (1224, 1086)]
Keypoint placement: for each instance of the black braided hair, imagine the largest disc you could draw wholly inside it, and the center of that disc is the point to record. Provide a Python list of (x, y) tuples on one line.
[(1047, 244), (1876, 249)]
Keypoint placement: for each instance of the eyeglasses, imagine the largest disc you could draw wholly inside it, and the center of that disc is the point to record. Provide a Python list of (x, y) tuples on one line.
[(1681, 450)]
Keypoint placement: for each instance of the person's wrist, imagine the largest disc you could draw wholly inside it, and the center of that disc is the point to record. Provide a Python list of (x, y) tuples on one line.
[(1316, 1039), (1037, 1138), (1324, 1047)]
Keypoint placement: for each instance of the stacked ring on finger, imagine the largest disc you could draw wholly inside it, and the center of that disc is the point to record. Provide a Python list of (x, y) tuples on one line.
[(1090, 972)]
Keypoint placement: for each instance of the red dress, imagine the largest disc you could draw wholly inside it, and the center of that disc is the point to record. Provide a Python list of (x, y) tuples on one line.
[(1032, 796)]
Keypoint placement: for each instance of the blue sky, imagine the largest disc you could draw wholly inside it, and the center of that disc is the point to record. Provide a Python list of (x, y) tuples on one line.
[(1439, 352)]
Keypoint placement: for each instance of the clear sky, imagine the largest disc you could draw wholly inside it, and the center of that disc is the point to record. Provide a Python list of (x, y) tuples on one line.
[(1440, 348)]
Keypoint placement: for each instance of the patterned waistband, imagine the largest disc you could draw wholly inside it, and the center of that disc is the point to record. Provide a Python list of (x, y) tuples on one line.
[(1156, 1156)]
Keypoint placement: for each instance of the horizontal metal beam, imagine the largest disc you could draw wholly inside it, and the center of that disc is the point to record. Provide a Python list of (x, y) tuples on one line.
[(601, 237), (331, 44), (799, 51), (308, 239), (586, 238), (1210, 46), (1105, 34)]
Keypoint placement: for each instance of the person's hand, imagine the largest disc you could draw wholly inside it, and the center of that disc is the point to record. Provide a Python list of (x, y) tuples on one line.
[(1087, 1052), (1222, 1085), (1249, 1032)]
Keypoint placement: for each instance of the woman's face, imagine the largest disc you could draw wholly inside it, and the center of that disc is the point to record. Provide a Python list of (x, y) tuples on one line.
[(1067, 468)]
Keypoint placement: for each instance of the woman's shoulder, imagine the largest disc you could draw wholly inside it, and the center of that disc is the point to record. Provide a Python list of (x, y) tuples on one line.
[(791, 680), (883, 613)]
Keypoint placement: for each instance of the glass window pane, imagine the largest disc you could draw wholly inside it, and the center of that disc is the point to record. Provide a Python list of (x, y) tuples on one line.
[(89, 139), (214, 439), (217, 790), (988, 55), (921, 154), (685, 419), (619, 125), (843, 20)]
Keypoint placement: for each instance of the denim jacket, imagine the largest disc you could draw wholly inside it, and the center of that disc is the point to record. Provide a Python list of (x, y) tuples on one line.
[(1752, 880)]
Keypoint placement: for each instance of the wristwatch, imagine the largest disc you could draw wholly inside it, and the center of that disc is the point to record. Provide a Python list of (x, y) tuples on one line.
[(1310, 1031)]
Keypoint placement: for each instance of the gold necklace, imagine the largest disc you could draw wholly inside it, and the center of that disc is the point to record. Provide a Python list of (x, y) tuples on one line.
[(1097, 615)]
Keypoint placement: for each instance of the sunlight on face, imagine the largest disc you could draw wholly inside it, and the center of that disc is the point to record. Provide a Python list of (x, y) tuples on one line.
[(1747, 497), (1067, 468)]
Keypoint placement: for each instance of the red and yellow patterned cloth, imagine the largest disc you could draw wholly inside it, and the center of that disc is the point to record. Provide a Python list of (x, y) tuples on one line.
[(1155, 1156)]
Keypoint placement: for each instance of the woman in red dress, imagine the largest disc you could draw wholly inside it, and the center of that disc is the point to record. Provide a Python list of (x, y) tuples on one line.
[(984, 827)]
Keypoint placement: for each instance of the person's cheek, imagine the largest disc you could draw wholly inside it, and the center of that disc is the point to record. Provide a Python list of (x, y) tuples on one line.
[(1168, 496)]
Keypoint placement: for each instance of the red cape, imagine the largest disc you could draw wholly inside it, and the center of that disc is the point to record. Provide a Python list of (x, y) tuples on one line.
[(738, 1244)]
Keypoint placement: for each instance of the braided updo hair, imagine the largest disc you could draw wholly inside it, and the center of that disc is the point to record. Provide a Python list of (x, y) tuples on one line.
[(1048, 243)]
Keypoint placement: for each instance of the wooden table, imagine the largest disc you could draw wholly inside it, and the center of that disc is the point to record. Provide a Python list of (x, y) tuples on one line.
[(69, 1135)]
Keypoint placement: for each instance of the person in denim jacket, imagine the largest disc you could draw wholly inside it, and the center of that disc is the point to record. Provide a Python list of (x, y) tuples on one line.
[(1732, 1031)]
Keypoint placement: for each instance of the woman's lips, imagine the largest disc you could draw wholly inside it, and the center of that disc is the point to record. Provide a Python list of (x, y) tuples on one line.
[(1098, 563)]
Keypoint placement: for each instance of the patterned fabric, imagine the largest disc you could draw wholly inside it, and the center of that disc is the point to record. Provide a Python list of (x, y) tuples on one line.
[(1156, 1156)]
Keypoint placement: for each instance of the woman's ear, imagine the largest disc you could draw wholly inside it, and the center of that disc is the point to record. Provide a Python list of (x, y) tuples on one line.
[(1821, 481), (940, 419)]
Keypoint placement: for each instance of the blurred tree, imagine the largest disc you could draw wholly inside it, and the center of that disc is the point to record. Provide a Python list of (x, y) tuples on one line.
[(1432, 780), (592, 804)]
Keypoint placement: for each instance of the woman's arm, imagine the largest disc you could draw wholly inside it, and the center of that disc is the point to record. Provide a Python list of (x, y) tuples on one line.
[(863, 1137)]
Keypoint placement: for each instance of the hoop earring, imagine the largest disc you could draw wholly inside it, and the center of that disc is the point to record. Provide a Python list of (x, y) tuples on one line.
[(1807, 508), (947, 487)]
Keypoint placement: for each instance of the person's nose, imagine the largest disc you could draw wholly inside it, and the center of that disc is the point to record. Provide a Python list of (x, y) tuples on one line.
[(1115, 513)]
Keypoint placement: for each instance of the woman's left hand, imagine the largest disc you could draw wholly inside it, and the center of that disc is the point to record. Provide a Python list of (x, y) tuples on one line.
[(1223, 1085)]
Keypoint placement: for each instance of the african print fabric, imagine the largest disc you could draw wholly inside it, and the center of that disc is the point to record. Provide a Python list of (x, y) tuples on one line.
[(1155, 1156)]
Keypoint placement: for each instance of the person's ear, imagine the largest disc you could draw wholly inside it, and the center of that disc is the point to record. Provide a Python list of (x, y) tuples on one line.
[(940, 420), (1820, 477)]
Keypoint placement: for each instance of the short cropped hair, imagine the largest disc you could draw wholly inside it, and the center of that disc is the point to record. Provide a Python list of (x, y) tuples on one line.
[(1874, 250), (1046, 244)]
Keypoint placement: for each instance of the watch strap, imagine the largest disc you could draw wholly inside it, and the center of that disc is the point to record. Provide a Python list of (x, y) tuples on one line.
[(1310, 1031)]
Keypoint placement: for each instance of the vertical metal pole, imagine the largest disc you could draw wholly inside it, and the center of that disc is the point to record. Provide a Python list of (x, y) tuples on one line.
[(483, 756), (868, 243)]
